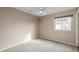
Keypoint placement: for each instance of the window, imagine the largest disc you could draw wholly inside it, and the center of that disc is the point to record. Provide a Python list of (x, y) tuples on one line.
[(63, 23)]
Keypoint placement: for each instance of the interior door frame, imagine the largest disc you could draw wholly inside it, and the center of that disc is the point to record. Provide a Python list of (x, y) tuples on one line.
[(77, 28)]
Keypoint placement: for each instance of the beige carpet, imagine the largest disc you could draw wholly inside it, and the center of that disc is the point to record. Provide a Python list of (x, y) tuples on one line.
[(42, 45)]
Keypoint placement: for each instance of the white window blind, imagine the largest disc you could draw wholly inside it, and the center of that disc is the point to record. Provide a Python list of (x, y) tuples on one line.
[(63, 23)]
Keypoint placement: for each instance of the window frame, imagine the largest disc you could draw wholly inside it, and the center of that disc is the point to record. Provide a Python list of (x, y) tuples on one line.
[(62, 23)]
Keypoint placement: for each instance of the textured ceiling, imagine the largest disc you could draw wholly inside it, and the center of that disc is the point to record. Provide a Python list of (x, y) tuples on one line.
[(49, 10)]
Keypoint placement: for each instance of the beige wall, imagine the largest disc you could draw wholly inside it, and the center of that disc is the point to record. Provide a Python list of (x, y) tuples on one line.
[(16, 27), (47, 29)]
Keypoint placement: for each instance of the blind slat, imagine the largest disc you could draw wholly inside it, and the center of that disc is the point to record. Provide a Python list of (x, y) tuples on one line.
[(63, 16)]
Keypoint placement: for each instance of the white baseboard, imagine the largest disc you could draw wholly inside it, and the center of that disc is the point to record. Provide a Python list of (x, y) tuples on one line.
[(48, 38)]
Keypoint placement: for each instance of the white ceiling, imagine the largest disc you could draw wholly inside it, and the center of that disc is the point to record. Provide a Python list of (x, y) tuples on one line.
[(50, 10)]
